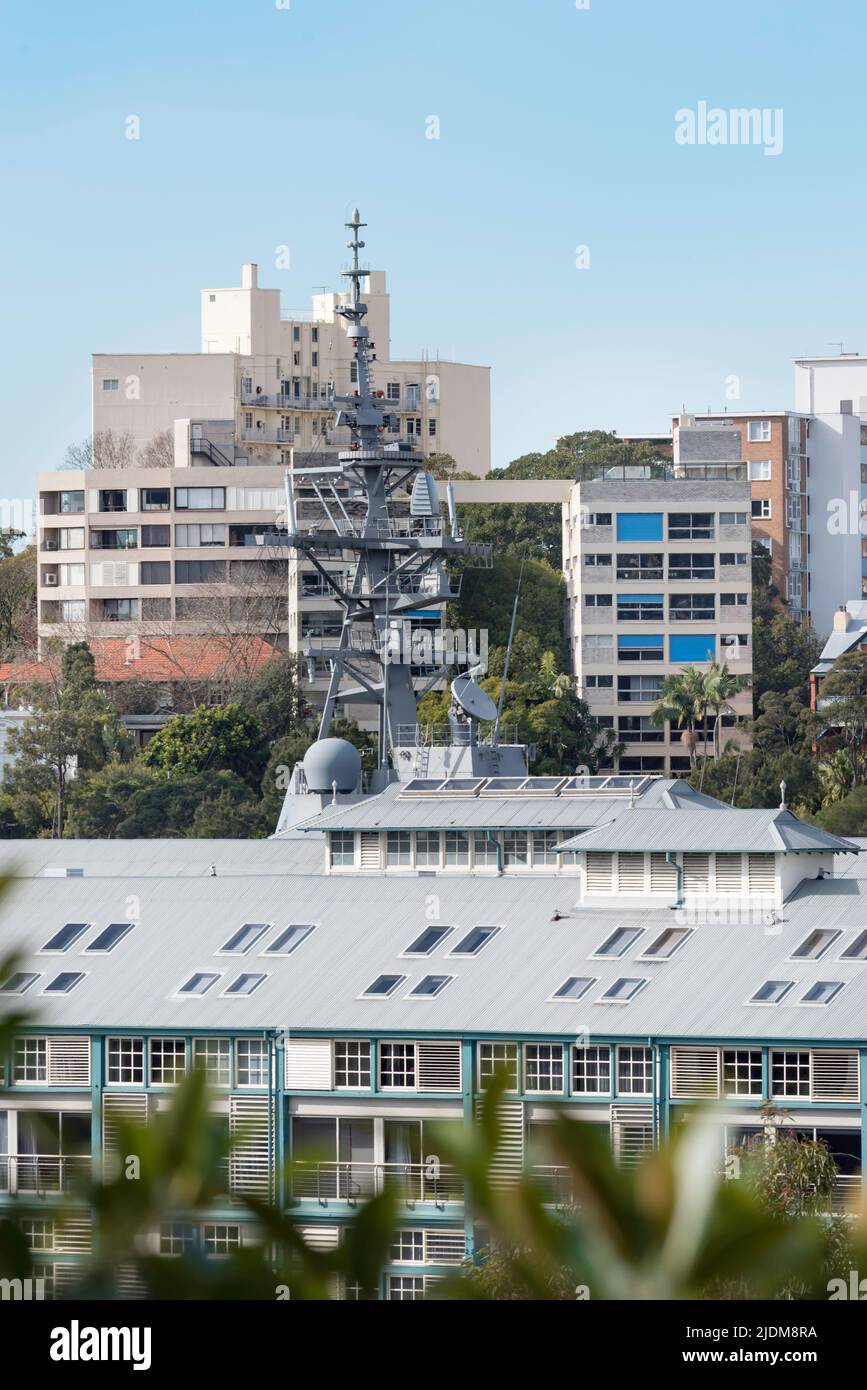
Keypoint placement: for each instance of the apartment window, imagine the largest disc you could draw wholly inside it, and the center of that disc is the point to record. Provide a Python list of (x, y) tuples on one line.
[(70, 538), (213, 1056), (397, 1066), (125, 538), (686, 650), (342, 845), (408, 1248), (734, 600), (72, 610), (352, 1065), (398, 848), (591, 1071), (314, 359), (635, 1071), (156, 572), (691, 608), (597, 600), (639, 566), (31, 1059), (640, 608), (167, 1061), (638, 728), (392, 391), (198, 533), (427, 848), (734, 557), (220, 1239), (597, 519), (543, 1067), (732, 518), (742, 1072), (690, 526), (484, 850), (126, 1062), (177, 1237), (516, 847), (432, 427), (38, 1234), (252, 1063), (759, 470), (200, 571), (597, 559), (599, 682), (405, 1288), (156, 535), (119, 610), (110, 383), (296, 333), (790, 1074), (156, 499), (497, 1057), (72, 501), (634, 648), (457, 847), (758, 431), (207, 499), (641, 689), (690, 566), (761, 508)]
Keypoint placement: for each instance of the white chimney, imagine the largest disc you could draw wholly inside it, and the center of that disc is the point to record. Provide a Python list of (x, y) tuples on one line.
[(249, 276)]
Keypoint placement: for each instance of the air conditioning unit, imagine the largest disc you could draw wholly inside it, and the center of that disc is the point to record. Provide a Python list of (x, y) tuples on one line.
[(50, 545), (50, 580)]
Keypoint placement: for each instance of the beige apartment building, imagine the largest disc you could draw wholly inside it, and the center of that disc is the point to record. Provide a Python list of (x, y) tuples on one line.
[(168, 533)]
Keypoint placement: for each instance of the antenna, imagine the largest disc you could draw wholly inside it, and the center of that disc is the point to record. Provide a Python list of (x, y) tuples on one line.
[(509, 646)]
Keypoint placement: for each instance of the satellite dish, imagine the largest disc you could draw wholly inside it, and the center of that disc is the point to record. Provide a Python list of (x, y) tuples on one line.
[(472, 699)]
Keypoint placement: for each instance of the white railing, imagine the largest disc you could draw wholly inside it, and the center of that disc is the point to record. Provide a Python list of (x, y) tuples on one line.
[(42, 1173), (351, 1182)]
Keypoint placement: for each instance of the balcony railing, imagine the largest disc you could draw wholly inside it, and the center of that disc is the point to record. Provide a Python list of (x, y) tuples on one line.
[(352, 1182), (660, 471), (42, 1173)]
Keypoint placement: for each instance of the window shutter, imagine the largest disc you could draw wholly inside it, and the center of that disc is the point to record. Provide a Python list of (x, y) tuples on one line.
[(308, 1064), (696, 873), (370, 851), (250, 1158), (116, 1105), (507, 1164), (729, 876), (69, 1061), (663, 876), (599, 870), (320, 1237), (65, 1275), (762, 873), (835, 1075), (444, 1247), (631, 1133), (129, 1283), (439, 1066), (630, 873), (72, 1236), (695, 1072)]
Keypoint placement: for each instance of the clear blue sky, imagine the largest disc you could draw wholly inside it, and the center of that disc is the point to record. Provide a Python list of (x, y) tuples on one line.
[(262, 126)]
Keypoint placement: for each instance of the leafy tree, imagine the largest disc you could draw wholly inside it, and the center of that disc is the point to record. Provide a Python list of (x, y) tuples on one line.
[(165, 808), (847, 816), (683, 702), (445, 468), (754, 778), (846, 687), (488, 596), (272, 695), (586, 451), (17, 594), (784, 651), (224, 817), (213, 738), (99, 801)]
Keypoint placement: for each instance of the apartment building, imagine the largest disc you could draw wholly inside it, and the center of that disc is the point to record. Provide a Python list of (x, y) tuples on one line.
[(773, 445), (340, 1026), (657, 578)]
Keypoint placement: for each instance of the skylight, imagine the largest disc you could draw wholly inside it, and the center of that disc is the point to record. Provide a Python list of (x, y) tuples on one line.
[(245, 984), (822, 992), (430, 986), (814, 946), (18, 983), (622, 991), (64, 982), (68, 934), (474, 941), (108, 939), (772, 991), (428, 941), (199, 983), (288, 941), (383, 986), (858, 948), (666, 943), (574, 988), (245, 938), (619, 942)]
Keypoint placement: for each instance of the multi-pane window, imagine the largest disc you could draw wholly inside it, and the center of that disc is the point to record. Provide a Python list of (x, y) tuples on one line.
[(218, 1238), (199, 571), (200, 533), (545, 848), (635, 1071), (498, 1057), (457, 847), (408, 1248), (342, 848), (427, 847), (214, 1057), (761, 508), (758, 431), (31, 1059), (690, 526), (251, 1062), (126, 1065), (516, 847), (351, 1065), (742, 1071), (591, 1070), (38, 1234), (543, 1067), (790, 1074), (177, 1237), (484, 850), (398, 849), (405, 1288), (200, 498), (168, 1061), (691, 608), (397, 1066)]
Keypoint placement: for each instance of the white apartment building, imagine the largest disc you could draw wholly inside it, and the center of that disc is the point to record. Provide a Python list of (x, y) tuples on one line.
[(658, 577)]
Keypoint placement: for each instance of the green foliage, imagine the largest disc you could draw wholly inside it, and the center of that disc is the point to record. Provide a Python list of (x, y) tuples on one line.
[(100, 801), (17, 594), (214, 738), (165, 808), (488, 597), (272, 696), (784, 651), (847, 816)]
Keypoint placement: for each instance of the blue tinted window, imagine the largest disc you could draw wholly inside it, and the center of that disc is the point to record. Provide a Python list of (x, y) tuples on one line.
[(639, 526), (695, 647)]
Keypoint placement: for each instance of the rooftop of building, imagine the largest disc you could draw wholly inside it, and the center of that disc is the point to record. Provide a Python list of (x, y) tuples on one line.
[(143, 658), (729, 830)]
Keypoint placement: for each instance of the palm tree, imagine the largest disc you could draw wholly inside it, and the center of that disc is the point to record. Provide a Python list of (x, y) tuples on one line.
[(720, 686), (682, 701)]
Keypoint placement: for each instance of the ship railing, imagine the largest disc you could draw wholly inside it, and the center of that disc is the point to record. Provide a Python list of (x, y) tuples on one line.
[(434, 735)]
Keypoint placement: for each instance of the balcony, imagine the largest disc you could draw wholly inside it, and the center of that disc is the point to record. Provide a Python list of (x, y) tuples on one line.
[(411, 1183), (264, 436), (279, 401), (42, 1174)]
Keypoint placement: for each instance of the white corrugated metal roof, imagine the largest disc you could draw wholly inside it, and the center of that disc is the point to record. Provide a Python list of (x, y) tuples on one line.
[(725, 831)]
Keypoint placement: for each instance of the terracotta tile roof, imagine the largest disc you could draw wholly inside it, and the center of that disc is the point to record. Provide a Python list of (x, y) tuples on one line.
[(154, 659)]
